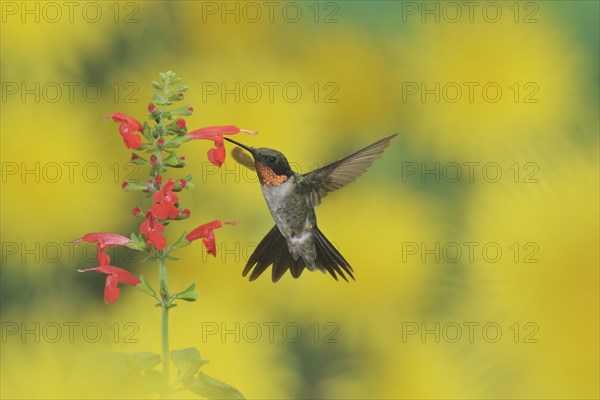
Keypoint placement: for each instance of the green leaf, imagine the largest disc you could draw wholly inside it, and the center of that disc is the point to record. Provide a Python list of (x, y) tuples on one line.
[(180, 88), (137, 242), (178, 140), (135, 246), (185, 110), (139, 160), (179, 243), (212, 388), (172, 159), (134, 237), (156, 85), (147, 133), (144, 360), (158, 99), (145, 287), (133, 185), (145, 147), (188, 294), (187, 361), (149, 259), (171, 77), (190, 185)]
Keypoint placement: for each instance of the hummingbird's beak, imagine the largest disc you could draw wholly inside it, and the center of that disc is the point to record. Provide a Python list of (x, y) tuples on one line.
[(243, 146)]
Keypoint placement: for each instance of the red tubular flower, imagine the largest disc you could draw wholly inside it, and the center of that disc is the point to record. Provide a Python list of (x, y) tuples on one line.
[(217, 155), (215, 133), (153, 230), (180, 123), (132, 141), (104, 240), (207, 234), (128, 124), (115, 275), (127, 128), (165, 200)]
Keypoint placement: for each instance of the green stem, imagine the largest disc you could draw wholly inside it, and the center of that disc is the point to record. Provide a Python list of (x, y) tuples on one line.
[(164, 323), (161, 123)]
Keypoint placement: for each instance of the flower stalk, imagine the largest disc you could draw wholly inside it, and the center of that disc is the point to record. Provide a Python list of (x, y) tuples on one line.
[(161, 137), (165, 304)]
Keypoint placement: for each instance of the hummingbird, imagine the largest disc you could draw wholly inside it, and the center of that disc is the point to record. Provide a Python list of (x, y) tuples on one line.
[(296, 242)]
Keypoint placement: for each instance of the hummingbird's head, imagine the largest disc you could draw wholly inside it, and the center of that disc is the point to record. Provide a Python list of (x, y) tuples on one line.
[(271, 166)]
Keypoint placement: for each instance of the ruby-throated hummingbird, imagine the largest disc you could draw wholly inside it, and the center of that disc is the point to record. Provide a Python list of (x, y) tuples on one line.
[(295, 242)]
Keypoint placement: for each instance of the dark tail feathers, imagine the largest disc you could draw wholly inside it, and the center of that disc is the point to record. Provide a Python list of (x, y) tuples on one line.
[(273, 250)]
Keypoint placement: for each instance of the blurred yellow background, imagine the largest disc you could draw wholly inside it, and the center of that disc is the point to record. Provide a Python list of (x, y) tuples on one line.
[(474, 239)]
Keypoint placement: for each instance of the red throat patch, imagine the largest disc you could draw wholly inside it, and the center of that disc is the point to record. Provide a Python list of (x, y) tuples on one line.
[(267, 176)]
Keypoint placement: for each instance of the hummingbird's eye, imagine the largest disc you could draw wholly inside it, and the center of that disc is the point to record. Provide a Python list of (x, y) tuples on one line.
[(272, 159)]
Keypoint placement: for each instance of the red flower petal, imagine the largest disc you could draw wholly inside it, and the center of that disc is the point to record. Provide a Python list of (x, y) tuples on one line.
[(107, 238), (166, 191), (115, 275), (121, 274), (128, 124), (217, 155), (111, 291), (212, 132), (203, 231), (165, 200), (132, 141), (164, 210), (215, 133), (153, 231), (210, 245), (206, 233), (103, 258)]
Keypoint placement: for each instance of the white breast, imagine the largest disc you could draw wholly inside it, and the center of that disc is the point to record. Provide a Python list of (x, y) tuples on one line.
[(277, 195), (282, 207)]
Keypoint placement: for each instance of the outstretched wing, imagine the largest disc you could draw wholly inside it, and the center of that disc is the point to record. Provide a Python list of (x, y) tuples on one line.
[(243, 158), (316, 184)]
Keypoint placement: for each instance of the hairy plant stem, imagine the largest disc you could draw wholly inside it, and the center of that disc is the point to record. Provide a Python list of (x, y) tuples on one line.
[(164, 323)]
